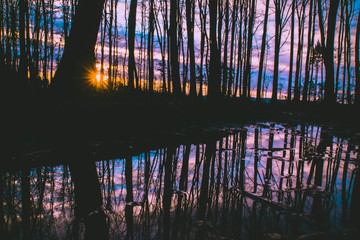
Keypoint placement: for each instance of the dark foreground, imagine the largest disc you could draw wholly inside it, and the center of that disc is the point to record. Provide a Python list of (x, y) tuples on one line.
[(180, 170)]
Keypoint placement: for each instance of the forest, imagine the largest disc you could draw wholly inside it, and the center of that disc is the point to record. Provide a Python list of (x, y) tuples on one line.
[(298, 51), (180, 119)]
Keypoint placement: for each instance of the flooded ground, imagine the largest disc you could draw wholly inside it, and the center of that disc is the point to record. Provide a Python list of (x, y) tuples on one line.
[(264, 181)]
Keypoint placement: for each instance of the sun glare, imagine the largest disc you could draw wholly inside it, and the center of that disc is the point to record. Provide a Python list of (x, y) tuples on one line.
[(97, 77)]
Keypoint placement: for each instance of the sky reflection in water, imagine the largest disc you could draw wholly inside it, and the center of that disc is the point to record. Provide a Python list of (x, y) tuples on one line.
[(264, 178)]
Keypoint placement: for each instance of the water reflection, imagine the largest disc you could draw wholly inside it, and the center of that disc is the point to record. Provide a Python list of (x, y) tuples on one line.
[(262, 180)]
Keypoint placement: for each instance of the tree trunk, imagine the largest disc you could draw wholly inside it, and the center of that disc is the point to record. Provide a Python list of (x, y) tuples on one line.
[(23, 5), (233, 33), (151, 47), (45, 57), (299, 56), (340, 44), (239, 60), (190, 11), (131, 42), (328, 48), (247, 74), (202, 45), (348, 16), (110, 36), (357, 73), (225, 64), (214, 74), (174, 60), (262, 53), (276, 51), (51, 39), (307, 62), (76, 69), (291, 51)]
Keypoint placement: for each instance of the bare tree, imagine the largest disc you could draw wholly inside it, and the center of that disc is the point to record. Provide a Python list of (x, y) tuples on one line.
[(357, 73), (76, 69), (23, 5), (262, 53), (174, 60), (328, 47), (247, 74), (308, 52), (281, 18), (291, 51), (131, 42), (300, 11), (214, 75), (150, 48)]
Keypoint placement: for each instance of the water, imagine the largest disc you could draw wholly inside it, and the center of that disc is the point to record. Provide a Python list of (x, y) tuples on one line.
[(263, 181)]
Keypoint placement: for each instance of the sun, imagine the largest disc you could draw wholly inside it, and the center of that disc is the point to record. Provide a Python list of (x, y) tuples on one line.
[(97, 77)]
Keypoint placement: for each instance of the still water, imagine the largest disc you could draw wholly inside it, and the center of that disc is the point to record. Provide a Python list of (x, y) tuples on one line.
[(264, 181)]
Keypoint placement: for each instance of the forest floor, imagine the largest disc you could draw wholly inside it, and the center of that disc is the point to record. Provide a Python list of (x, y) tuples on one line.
[(146, 122)]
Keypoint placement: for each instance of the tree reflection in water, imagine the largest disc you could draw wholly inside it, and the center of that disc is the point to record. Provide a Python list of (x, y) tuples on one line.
[(262, 179)]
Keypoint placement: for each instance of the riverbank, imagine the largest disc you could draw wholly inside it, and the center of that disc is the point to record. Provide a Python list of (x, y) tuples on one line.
[(144, 121)]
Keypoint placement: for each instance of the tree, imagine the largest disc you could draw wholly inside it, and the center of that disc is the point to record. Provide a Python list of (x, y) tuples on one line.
[(357, 73), (190, 16), (291, 51), (300, 11), (23, 5), (309, 47), (151, 46), (225, 65), (232, 48), (247, 74), (76, 68), (262, 53), (281, 17), (328, 47), (214, 74), (131, 42), (174, 61)]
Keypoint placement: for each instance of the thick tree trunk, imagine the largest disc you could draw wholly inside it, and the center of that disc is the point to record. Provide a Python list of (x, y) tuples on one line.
[(214, 74), (131, 42), (328, 48), (76, 69)]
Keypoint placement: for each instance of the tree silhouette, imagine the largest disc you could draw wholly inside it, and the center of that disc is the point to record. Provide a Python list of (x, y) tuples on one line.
[(76, 68), (328, 47), (357, 70)]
